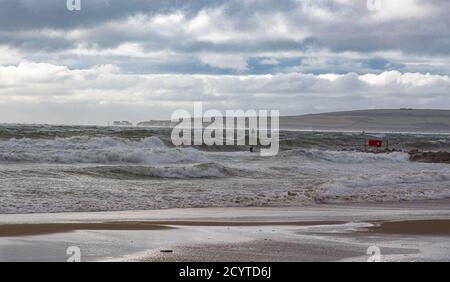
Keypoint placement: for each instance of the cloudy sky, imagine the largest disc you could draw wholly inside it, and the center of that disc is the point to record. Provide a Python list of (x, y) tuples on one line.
[(141, 59)]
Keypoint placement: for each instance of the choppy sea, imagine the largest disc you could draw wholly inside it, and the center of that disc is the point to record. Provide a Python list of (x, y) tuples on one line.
[(47, 168)]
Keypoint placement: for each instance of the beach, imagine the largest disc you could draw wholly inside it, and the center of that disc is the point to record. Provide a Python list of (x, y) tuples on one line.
[(401, 232), (224, 131), (127, 194)]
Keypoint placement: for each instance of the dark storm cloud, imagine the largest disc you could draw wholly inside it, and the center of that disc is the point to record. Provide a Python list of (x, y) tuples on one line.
[(31, 14), (410, 27), (348, 27)]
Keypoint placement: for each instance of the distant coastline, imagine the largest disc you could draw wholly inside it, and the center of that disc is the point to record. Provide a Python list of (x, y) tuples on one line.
[(402, 121), (374, 121)]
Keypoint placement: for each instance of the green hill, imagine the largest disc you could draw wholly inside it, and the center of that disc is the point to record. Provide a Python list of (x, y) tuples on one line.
[(402, 120)]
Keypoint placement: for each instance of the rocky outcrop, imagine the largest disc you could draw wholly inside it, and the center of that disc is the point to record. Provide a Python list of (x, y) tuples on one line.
[(429, 157)]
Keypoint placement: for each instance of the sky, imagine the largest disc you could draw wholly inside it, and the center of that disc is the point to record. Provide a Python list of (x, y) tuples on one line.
[(139, 60)]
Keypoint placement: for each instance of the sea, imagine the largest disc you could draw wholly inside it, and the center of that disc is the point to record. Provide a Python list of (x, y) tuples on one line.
[(49, 169)]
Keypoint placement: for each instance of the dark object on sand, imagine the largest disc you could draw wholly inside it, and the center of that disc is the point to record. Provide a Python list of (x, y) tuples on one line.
[(429, 157), (167, 251)]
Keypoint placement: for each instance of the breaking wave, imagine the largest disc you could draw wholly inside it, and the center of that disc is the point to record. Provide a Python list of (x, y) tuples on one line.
[(97, 150), (207, 170)]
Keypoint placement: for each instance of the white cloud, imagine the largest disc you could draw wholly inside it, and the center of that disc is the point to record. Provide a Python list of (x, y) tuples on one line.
[(403, 9), (407, 79), (235, 62), (294, 93), (9, 56), (319, 55)]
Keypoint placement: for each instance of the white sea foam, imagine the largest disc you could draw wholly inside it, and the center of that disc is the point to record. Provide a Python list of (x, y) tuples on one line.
[(207, 170), (100, 150), (388, 183), (88, 173), (347, 156)]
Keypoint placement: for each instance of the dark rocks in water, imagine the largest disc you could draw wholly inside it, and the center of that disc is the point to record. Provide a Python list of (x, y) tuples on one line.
[(429, 157), (167, 251)]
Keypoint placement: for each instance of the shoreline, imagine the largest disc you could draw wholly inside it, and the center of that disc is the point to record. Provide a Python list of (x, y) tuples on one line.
[(403, 231), (436, 227), (426, 203), (14, 230)]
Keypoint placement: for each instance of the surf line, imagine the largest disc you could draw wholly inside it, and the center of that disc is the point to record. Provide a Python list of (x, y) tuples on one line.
[(208, 128)]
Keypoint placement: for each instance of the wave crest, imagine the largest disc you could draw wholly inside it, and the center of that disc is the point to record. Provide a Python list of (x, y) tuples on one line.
[(206, 170), (98, 150)]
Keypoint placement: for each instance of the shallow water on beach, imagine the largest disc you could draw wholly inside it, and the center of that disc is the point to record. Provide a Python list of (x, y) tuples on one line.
[(67, 169)]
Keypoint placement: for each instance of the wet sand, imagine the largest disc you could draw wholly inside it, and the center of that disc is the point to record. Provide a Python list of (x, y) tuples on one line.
[(413, 227), (404, 232), (13, 230)]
